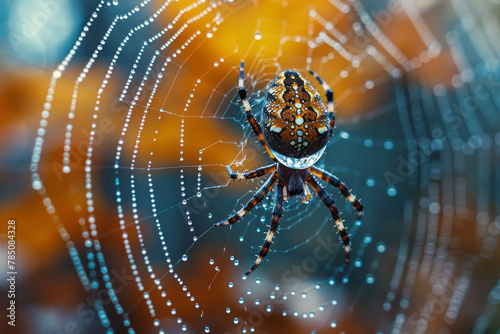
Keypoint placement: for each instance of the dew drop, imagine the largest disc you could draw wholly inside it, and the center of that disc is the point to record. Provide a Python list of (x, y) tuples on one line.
[(391, 191), (184, 257), (380, 247), (258, 35)]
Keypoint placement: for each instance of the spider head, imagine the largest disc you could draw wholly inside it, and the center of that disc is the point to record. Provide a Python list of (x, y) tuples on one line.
[(295, 121)]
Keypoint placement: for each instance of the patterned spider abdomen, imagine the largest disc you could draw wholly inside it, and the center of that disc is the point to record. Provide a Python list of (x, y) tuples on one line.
[(295, 120)]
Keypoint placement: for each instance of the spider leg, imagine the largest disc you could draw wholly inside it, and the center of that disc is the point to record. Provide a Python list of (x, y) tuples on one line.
[(256, 199), (277, 213), (334, 181), (329, 99), (250, 175), (330, 203), (242, 92), (307, 194)]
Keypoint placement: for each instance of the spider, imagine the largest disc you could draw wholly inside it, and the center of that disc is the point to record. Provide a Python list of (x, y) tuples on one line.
[(296, 126)]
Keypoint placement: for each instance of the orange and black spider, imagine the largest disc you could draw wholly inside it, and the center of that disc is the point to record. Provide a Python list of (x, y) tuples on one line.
[(297, 126)]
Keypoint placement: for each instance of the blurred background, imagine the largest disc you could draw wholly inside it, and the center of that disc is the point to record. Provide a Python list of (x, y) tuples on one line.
[(119, 117)]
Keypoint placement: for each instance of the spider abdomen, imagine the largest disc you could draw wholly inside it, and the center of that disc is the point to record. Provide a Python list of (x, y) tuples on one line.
[(295, 120)]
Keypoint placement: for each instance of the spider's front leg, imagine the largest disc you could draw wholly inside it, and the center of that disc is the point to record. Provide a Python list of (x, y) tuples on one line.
[(330, 203), (256, 199), (334, 181), (242, 92), (277, 213)]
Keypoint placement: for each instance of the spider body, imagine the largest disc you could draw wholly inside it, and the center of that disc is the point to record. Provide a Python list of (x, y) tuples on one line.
[(296, 127)]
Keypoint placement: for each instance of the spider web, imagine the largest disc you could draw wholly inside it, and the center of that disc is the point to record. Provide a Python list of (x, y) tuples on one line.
[(144, 114)]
